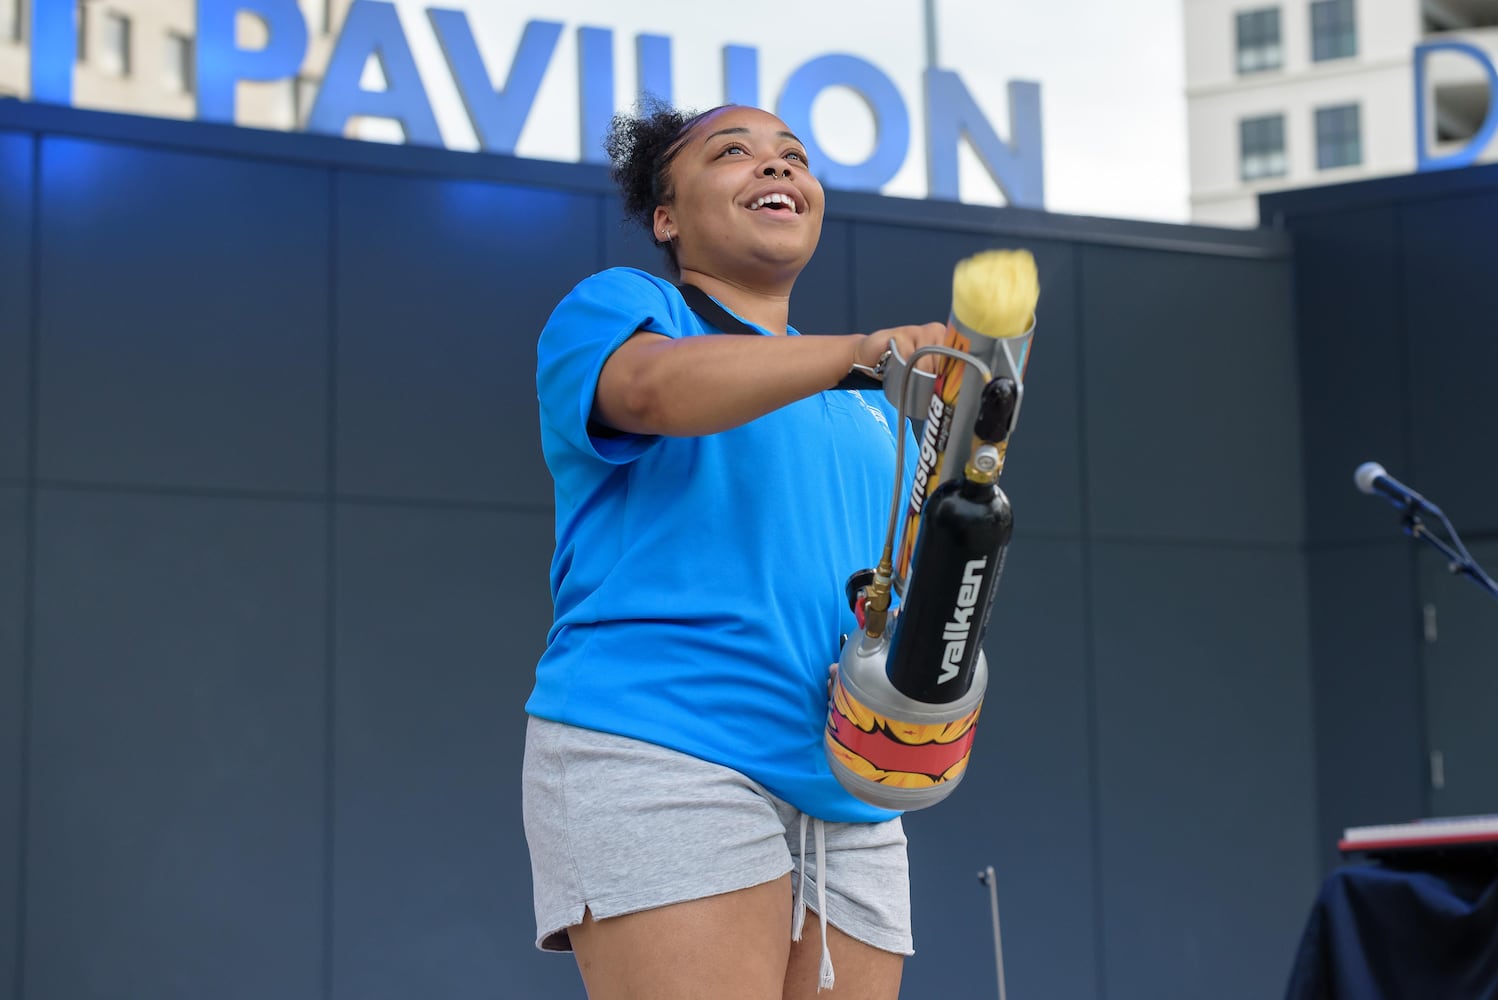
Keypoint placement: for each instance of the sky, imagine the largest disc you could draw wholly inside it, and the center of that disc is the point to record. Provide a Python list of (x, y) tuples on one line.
[(1112, 79)]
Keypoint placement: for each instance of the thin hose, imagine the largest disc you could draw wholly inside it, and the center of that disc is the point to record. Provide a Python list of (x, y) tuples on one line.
[(902, 415)]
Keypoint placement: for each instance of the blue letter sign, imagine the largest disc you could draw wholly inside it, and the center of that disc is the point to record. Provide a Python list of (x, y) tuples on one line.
[(222, 63), (372, 29), (497, 116), (891, 120), (54, 40), (1472, 150), (1015, 166)]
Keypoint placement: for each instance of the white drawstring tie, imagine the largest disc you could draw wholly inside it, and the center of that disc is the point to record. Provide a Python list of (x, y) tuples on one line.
[(798, 924)]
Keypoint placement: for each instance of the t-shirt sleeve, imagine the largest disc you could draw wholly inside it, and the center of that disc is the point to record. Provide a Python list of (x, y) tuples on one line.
[(586, 327)]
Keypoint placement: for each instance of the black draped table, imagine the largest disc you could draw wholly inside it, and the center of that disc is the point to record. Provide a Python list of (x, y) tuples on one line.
[(1411, 923)]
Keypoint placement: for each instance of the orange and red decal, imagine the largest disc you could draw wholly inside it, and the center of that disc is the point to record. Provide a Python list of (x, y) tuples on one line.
[(889, 752)]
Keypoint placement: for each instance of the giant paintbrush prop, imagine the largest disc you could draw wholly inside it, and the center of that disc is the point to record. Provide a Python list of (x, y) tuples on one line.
[(908, 689)]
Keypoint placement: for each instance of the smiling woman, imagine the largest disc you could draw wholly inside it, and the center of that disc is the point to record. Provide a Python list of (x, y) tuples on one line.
[(711, 494), (650, 153)]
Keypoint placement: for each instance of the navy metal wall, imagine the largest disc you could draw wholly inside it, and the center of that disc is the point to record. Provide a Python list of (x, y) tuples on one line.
[(274, 536), (1395, 300)]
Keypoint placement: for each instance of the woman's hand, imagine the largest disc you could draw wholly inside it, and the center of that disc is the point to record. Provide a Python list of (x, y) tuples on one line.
[(871, 348)]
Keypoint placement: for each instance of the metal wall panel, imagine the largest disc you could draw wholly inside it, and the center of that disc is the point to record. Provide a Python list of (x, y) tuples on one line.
[(183, 329), (12, 716), (1193, 425), (1370, 732), (1461, 686), (177, 790), (182, 734), (443, 287), (1206, 811), (442, 615), (1025, 805), (16, 193), (1353, 366), (1450, 300)]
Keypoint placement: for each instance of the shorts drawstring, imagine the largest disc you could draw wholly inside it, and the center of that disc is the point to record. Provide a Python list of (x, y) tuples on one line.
[(799, 920), (798, 923)]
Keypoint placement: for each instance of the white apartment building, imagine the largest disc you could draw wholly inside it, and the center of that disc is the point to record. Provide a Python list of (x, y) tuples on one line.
[(137, 56), (1295, 93)]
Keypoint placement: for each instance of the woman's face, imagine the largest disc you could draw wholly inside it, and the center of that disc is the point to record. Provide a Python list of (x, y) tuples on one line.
[(745, 205)]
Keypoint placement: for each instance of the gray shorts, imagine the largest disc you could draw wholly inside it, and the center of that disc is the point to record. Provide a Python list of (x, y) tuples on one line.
[(616, 826)]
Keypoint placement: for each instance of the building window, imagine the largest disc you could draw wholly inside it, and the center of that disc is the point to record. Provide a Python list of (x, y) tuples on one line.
[(177, 71), (303, 96), (294, 96), (114, 44), (1262, 147), (325, 17), (1334, 30), (1439, 17), (1259, 40), (1339, 138)]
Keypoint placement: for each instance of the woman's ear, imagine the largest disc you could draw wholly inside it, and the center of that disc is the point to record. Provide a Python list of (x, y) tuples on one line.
[(663, 229)]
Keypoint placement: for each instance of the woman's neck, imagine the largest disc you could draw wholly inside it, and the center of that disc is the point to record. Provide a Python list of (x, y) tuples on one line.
[(768, 309)]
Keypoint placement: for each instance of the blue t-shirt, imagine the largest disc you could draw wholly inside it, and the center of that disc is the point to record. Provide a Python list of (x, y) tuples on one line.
[(698, 581)]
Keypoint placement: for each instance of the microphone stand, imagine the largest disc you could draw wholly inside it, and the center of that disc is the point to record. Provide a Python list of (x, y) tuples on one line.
[(986, 876), (1458, 560)]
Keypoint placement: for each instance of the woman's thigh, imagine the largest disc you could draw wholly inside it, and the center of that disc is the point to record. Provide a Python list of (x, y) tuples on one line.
[(863, 971), (732, 946), (661, 870)]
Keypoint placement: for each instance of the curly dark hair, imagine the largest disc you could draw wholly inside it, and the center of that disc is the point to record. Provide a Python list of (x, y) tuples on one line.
[(641, 148)]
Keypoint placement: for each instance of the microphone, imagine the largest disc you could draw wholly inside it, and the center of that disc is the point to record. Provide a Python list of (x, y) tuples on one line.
[(1372, 479)]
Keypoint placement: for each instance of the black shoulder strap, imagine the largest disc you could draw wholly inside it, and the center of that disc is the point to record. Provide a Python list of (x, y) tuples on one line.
[(705, 306)]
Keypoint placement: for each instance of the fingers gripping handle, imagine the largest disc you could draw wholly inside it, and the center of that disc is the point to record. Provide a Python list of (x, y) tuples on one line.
[(898, 372)]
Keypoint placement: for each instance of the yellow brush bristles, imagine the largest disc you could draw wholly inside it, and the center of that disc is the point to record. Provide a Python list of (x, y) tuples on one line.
[(994, 292)]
